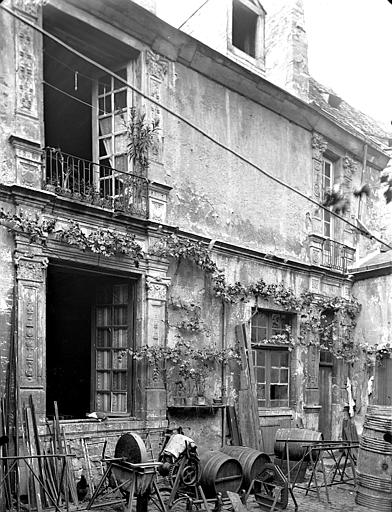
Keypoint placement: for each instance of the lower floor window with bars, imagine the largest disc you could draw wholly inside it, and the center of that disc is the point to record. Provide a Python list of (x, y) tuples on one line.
[(271, 363)]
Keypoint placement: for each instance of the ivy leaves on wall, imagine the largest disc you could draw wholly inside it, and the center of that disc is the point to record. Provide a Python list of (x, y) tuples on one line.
[(105, 242)]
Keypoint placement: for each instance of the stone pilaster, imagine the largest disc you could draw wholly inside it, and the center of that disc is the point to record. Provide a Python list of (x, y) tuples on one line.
[(157, 197), (157, 71), (156, 335), (31, 327), (319, 146), (28, 74), (28, 162)]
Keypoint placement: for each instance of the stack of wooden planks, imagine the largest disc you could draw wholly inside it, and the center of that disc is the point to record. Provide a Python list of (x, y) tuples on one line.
[(38, 475), (247, 416)]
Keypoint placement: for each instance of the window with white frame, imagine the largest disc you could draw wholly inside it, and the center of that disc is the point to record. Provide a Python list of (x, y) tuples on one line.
[(327, 184), (113, 101), (271, 362), (247, 30)]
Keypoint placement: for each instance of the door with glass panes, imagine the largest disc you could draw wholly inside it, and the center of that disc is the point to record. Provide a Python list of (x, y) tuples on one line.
[(112, 339)]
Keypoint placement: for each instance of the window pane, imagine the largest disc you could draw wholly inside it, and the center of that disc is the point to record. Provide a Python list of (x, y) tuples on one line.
[(105, 125), (103, 381), (260, 357), (261, 391), (120, 100), (120, 143), (284, 358), (284, 376), (103, 359), (119, 315), (104, 337), (121, 163), (119, 381), (275, 358), (105, 147), (120, 360), (103, 402), (278, 391), (119, 402), (103, 316), (119, 122), (260, 374), (104, 105), (274, 375), (120, 338)]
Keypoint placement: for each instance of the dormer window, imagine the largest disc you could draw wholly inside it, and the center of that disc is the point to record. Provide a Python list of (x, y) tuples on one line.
[(247, 28)]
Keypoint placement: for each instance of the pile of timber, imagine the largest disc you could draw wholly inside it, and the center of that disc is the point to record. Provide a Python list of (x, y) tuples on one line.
[(34, 475)]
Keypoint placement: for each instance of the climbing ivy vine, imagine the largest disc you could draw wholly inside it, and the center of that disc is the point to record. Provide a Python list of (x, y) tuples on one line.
[(327, 322)]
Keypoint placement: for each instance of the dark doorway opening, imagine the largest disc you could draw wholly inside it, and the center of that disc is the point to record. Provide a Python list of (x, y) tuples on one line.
[(70, 296)]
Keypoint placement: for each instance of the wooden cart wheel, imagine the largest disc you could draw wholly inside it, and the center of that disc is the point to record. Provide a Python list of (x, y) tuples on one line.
[(131, 448), (271, 476)]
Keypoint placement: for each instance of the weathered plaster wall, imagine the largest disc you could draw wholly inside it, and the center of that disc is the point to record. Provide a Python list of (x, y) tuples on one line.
[(373, 327), (189, 296), (286, 46), (217, 195), (374, 322), (6, 299)]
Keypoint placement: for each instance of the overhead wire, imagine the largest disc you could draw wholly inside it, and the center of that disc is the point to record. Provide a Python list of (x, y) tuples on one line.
[(193, 14), (188, 123)]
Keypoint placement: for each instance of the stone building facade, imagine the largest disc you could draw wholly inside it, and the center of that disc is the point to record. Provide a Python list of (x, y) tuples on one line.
[(69, 315)]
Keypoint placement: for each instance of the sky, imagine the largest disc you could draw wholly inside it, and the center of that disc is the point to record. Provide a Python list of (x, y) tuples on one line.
[(350, 49)]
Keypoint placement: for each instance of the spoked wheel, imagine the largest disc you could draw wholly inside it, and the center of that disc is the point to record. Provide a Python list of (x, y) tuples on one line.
[(190, 473), (180, 504), (269, 482)]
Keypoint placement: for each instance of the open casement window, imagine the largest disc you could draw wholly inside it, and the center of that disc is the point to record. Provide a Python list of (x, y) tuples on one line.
[(327, 184), (113, 101), (271, 363), (112, 336)]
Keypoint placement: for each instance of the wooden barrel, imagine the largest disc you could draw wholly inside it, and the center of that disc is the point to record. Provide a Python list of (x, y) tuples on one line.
[(252, 461), (219, 473), (297, 437), (374, 467)]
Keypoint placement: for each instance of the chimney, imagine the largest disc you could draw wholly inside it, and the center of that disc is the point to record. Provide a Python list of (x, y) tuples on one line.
[(286, 46)]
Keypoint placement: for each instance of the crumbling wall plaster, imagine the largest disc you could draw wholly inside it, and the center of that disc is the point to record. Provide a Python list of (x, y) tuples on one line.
[(220, 196)]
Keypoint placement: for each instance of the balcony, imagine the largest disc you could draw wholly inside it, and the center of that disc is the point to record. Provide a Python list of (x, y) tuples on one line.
[(69, 176), (336, 256)]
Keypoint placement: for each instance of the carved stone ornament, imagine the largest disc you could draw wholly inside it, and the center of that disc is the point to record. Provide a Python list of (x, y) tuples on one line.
[(313, 368), (156, 288), (156, 65), (319, 145), (30, 270), (349, 167), (29, 6), (26, 97)]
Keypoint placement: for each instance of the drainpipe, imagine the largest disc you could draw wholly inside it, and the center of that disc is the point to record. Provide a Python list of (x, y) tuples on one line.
[(223, 373), (365, 150)]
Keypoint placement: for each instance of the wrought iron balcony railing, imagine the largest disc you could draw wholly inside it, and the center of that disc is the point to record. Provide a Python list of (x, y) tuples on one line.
[(336, 256), (82, 180)]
